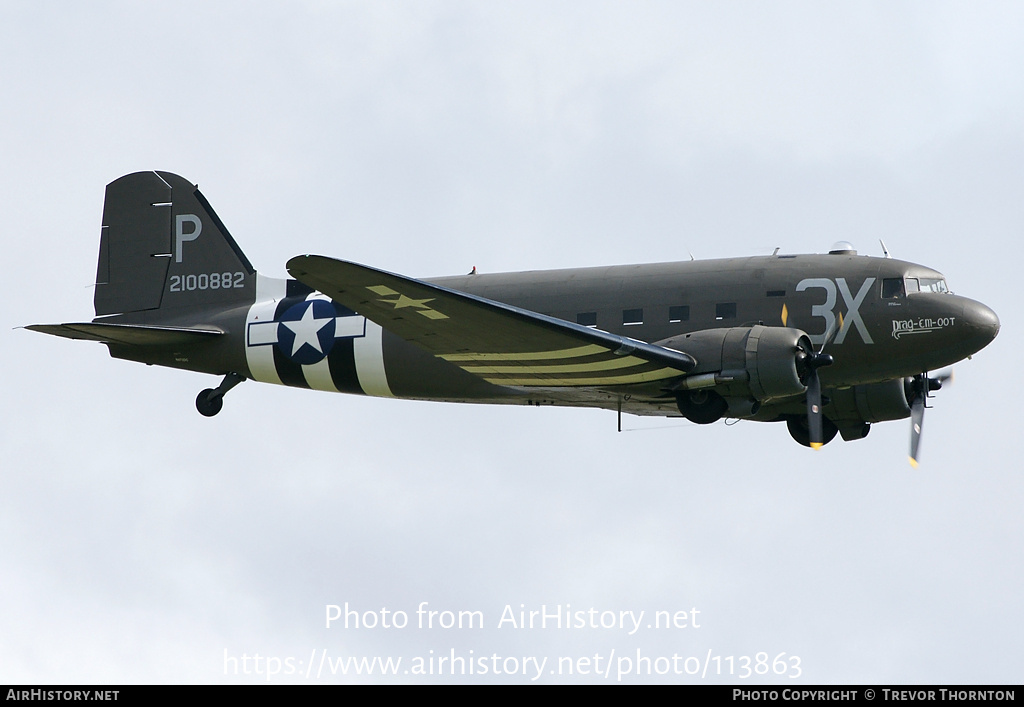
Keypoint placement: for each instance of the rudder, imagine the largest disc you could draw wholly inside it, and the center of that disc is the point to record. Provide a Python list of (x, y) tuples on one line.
[(162, 246)]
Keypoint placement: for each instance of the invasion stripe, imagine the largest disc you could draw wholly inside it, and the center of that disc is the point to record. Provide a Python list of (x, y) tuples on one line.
[(260, 359), (528, 356), (369, 360), (623, 379), (318, 376), (607, 364)]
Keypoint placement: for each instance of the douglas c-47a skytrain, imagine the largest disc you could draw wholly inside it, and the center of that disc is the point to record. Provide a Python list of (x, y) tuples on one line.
[(828, 344)]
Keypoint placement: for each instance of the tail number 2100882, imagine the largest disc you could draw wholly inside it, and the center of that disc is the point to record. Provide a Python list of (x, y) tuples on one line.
[(207, 281)]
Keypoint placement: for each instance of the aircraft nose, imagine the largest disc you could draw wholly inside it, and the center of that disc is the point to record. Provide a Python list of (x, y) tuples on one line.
[(982, 322)]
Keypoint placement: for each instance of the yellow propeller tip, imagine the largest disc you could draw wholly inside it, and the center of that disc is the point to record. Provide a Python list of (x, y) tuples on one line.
[(913, 462), (817, 445)]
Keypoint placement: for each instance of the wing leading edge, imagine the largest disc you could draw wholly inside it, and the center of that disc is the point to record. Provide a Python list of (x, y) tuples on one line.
[(502, 344)]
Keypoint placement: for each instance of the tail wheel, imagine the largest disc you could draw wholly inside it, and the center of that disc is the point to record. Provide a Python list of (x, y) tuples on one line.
[(800, 431), (209, 402)]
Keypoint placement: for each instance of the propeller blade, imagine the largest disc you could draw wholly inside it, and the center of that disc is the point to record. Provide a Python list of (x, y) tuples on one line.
[(814, 411), (832, 331), (921, 387), (916, 424), (808, 363)]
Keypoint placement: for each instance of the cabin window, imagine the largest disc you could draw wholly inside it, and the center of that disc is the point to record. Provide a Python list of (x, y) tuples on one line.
[(632, 317), (725, 310), (912, 285), (776, 293), (587, 318), (679, 313)]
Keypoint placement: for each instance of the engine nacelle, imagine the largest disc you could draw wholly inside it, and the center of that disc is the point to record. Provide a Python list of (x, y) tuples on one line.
[(757, 362), (875, 402)]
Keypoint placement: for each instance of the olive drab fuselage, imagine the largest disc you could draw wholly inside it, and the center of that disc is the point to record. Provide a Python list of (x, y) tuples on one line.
[(174, 289)]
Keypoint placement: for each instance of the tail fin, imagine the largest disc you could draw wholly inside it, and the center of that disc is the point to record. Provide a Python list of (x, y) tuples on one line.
[(163, 247)]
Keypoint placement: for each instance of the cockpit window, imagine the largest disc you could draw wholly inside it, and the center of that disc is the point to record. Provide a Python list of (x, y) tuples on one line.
[(931, 284), (892, 288), (898, 287)]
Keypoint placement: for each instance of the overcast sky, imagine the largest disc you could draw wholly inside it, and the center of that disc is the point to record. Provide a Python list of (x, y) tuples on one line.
[(140, 542)]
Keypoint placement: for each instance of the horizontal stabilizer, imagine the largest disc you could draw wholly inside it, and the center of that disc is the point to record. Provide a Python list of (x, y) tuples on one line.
[(127, 334), (502, 344)]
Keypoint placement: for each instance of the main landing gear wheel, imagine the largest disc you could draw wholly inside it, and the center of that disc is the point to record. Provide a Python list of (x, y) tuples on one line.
[(210, 401), (702, 407), (800, 430)]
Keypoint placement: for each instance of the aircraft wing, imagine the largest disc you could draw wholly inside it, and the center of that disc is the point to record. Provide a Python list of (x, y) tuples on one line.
[(502, 344)]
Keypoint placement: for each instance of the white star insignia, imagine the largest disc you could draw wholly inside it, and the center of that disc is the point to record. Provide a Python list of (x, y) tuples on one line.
[(306, 331)]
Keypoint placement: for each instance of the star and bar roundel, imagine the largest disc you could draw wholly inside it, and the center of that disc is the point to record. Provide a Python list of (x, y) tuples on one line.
[(306, 332)]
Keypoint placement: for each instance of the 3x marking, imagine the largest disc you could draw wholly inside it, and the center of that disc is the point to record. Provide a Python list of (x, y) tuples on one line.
[(825, 309)]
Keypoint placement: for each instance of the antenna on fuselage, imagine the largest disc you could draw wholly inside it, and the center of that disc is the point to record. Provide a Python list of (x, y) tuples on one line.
[(885, 251)]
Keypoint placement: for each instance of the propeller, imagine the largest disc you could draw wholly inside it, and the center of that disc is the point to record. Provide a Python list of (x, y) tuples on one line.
[(808, 363), (919, 389)]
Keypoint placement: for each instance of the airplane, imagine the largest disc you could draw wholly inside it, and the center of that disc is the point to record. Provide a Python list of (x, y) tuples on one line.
[(827, 343)]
